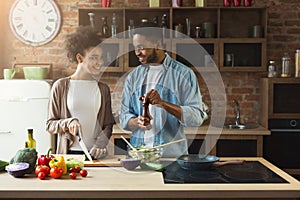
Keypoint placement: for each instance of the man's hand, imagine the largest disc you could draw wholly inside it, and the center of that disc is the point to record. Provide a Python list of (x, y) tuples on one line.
[(154, 97), (144, 120), (138, 122)]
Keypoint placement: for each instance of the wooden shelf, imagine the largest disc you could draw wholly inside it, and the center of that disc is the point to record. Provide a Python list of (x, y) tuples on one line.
[(232, 33)]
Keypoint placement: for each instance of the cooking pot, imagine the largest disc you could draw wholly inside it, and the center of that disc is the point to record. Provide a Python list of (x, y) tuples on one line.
[(199, 162)]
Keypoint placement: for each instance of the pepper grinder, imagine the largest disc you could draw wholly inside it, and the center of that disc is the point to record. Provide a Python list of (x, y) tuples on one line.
[(146, 112)]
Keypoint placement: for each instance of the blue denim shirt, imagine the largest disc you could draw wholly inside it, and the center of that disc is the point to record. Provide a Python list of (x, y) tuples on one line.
[(178, 85)]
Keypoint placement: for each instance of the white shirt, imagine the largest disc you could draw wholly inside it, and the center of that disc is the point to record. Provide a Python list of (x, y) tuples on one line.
[(153, 76), (84, 101)]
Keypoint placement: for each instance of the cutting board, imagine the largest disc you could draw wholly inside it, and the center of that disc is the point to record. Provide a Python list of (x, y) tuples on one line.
[(109, 161)]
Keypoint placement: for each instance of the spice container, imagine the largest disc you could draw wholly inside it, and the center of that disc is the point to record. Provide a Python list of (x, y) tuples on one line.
[(297, 63), (286, 65), (271, 69), (197, 32)]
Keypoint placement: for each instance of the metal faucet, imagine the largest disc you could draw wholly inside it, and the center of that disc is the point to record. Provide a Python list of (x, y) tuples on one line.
[(237, 112)]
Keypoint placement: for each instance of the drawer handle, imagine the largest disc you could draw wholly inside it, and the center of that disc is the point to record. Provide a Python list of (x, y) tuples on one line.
[(5, 132)]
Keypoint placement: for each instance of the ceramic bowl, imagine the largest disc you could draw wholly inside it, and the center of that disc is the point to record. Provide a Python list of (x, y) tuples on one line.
[(35, 73), (130, 163)]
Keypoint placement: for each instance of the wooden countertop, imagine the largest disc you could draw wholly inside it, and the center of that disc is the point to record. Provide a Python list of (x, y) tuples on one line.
[(117, 182), (206, 129)]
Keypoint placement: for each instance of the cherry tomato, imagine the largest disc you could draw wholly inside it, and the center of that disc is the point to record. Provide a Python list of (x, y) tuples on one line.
[(72, 170), (83, 173), (73, 175), (41, 175), (42, 168), (56, 172), (77, 169)]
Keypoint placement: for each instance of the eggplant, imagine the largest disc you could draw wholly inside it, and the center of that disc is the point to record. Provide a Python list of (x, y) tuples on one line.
[(18, 169)]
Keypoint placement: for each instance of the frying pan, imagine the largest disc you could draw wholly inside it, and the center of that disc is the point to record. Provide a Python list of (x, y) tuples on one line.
[(200, 162)]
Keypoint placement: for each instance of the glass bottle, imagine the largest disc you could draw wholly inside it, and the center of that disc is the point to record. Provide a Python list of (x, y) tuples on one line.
[(286, 65), (91, 17), (297, 63), (114, 26), (155, 20), (105, 28), (130, 28), (31, 143), (164, 26), (271, 69)]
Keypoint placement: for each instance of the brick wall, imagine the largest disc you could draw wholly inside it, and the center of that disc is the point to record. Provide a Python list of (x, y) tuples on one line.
[(283, 36)]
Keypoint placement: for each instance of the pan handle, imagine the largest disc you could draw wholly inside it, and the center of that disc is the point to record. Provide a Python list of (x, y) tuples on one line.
[(228, 162)]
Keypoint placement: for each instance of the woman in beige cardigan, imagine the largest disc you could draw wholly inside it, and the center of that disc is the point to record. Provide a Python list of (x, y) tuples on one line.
[(80, 103)]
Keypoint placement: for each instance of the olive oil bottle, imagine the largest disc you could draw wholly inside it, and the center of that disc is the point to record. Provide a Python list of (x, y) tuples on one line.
[(31, 143)]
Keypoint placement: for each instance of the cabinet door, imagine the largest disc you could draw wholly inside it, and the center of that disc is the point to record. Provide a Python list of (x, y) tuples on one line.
[(113, 55), (243, 54), (236, 148), (201, 54)]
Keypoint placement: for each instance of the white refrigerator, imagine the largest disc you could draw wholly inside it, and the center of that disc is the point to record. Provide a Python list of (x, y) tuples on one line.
[(23, 105)]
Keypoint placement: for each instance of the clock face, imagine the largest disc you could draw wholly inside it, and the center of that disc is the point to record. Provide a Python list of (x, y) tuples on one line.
[(35, 22)]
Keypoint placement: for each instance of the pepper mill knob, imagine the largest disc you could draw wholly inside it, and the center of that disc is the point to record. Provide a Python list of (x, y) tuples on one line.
[(146, 112)]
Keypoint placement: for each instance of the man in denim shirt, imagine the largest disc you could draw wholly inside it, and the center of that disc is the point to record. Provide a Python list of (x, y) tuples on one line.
[(172, 90)]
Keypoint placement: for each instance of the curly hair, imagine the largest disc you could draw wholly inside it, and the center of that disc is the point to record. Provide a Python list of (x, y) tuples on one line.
[(83, 38)]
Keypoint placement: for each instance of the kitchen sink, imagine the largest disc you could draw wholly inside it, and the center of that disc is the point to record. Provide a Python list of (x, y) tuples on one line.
[(240, 126)]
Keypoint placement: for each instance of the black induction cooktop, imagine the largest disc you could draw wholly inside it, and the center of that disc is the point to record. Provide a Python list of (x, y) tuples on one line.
[(248, 172)]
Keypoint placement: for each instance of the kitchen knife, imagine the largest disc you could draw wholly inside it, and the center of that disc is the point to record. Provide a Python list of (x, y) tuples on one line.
[(83, 147)]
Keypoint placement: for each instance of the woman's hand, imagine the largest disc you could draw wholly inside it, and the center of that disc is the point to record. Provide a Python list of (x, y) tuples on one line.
[(96, 152), (74, 127)]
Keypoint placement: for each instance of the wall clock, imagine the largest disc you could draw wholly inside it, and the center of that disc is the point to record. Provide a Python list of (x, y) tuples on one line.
[(35, 22)]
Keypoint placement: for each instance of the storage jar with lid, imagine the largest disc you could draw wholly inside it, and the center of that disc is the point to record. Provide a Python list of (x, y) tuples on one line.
[(286, 65), (271, 69), (297, 63)]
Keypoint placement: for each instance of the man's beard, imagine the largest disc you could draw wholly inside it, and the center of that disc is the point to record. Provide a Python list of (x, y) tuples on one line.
[(153, 57)]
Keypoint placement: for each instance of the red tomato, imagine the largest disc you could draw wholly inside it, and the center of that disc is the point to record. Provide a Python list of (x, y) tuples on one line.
[(42, 168), (83, 173), (71, 170), (41, 175), (56, 172), (73, 175), (77, 169)]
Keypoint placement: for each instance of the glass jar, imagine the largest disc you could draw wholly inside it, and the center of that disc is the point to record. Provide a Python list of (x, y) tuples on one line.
[(297, 63), (286, 65), (271, 69)]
